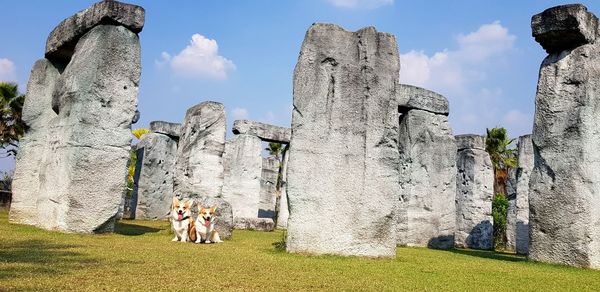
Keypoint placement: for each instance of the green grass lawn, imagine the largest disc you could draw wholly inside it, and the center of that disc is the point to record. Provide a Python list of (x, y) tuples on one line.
[(141, 256)]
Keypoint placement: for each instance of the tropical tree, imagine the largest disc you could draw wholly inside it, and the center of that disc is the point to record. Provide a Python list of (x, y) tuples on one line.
[(497, 145), (137, 133), (275, 150), (12, 126)]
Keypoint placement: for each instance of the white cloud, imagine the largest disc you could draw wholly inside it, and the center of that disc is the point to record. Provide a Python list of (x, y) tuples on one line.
[(7, 70), (200, 59), (239, 113), (450, 70), (368, 4), (462, 75)]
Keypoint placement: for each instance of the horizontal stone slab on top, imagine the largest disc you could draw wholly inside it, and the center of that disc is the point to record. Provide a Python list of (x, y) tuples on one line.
[(414, 97), (470, 141), (62, 40), (265, 132), (564, 27), (169, 129)]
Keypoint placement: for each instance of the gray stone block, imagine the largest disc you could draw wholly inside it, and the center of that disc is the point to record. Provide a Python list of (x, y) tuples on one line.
[(343, 165), (243, 170), (62, 40), (413, 97), (257, 224), (268, 188), (199, 166), (564, 27), (265, 132), (474, 193), (564, 194), (172, 130), (156, 164), (426, 207)]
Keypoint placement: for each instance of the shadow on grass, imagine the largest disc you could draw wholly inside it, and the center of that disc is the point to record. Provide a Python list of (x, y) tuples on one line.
[(27, 258), (488, 254), (126, 228)]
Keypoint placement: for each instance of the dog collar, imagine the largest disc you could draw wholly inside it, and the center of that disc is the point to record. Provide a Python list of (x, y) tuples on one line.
[(186, 217)]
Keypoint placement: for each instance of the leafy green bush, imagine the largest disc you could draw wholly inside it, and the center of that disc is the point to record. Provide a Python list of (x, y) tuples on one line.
[(499, 213)]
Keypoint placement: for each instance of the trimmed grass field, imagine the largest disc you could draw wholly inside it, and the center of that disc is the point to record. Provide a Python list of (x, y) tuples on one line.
[(140, 256)]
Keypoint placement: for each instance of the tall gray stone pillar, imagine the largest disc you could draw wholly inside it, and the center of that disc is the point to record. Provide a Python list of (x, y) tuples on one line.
[(474, 193), (564, 195), (343, 165)]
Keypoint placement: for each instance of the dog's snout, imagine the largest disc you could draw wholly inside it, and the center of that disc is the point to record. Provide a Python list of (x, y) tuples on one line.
[(180, 212)]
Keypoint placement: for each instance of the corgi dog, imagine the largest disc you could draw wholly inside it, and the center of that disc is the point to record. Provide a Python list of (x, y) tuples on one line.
[(181, 220), (205, 226)]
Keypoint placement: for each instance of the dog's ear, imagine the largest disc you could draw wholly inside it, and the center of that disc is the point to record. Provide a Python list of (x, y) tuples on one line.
[(213, 209), (200, 209), (187, 204), (191, 203), (175, 201)]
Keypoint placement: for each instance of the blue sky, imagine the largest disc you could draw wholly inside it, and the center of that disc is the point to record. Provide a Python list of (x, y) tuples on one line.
[(479, 54)]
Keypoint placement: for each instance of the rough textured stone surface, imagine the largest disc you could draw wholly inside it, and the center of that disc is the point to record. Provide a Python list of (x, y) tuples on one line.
[(564, 27), (258, 224), (243, 170), (283, 212), (511, 212), (426, 208), (522, 200), (224, 214), (268, 188), (82, 175), (62, 40), (564, 190), (265, 132), (156, 162), (474, 192), (199, 166), (413, 97), (343, 165), (33, 146), (172, 130)]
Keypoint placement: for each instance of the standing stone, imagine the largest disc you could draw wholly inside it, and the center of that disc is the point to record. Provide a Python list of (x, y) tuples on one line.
[(243, 169), (268, 188), (474, 193), (199, 166), (82, 169), (564, 196), (343, 165), (522, 200), (283, 212), (96, 99), (511, 212), (156, 161), (426, 208), (37, 114)]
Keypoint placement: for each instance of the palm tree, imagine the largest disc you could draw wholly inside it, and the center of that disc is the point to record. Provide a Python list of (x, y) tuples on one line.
[(275, 150), (137, 133), (503, 158), (12, 126)]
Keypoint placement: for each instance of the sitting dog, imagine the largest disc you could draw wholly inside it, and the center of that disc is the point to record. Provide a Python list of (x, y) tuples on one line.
[(181, 220), (205, 226)]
